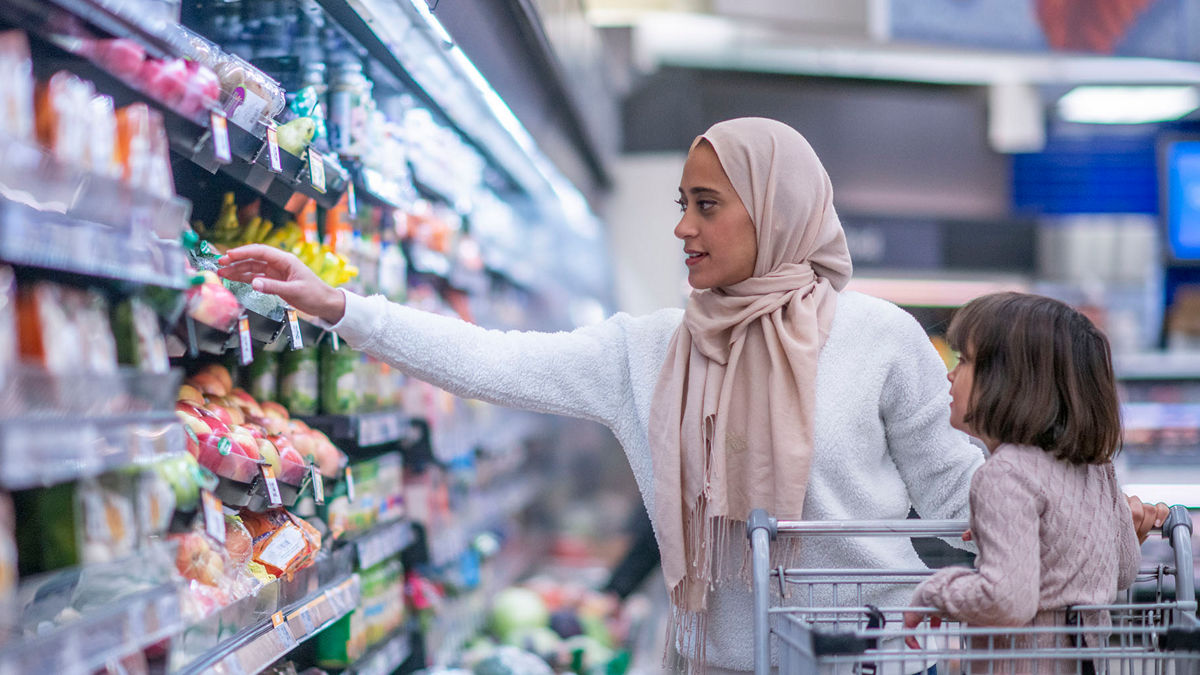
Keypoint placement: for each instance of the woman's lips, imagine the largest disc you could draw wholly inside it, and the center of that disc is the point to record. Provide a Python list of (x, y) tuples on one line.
[(694, 258)]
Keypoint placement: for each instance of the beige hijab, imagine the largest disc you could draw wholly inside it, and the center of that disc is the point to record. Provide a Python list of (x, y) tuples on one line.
[(731, 426)]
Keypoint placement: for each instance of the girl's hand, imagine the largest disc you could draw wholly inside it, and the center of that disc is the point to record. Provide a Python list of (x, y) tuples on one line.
[(270, 270), (966, 535), (1145, 517), (912, 620)]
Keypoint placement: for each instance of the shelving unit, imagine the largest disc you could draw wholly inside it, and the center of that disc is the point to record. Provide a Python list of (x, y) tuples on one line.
[(82, 229)]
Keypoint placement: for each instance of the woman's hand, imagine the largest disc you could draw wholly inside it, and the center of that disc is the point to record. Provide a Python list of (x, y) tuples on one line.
[(270, 270), (1146, 517), (912, 620)]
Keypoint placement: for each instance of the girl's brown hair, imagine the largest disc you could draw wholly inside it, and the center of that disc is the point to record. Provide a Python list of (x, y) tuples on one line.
[(1043, 376)]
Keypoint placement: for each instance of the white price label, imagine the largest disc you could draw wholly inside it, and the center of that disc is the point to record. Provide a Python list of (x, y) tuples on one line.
[(349, 484), (294, 327), (245, 349), (351, 200), (316, 170), (318, 485), (220, 137), (336, 342), (273, 150), (214, 517), (268, 476)]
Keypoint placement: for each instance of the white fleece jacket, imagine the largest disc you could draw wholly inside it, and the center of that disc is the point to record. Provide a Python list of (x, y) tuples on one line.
[(882, 440)]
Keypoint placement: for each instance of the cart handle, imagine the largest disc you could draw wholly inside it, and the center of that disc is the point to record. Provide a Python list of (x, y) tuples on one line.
[(872, 528), (1178, 530)]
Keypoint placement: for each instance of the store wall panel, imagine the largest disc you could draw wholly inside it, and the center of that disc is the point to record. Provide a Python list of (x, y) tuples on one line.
[(891, 149)]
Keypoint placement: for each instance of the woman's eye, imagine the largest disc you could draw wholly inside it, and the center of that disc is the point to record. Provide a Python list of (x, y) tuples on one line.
[(682, 204), (706, 204)]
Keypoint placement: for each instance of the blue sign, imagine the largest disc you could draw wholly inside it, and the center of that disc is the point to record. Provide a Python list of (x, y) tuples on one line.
[(1183, 199)]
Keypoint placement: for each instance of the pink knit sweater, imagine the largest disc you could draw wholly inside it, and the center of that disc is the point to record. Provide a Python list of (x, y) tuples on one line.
[(1050, 535)]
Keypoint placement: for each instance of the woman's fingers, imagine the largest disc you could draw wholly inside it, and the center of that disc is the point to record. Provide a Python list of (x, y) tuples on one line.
[(1146, 518), (245, 270), (966, 535)]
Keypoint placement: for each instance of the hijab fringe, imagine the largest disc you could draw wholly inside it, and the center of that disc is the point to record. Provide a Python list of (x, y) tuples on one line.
[(712, 537)]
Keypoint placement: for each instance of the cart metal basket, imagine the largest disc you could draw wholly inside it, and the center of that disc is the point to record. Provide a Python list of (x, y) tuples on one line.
[(822, 623)]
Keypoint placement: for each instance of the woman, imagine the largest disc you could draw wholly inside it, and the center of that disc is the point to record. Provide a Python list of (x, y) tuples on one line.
[(773, 389)]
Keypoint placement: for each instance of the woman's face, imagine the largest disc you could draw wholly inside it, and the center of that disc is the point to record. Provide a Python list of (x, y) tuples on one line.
[(718, 235)]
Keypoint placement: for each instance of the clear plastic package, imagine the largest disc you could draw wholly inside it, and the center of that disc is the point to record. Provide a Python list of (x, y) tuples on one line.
[(248, 96), (16, 86)]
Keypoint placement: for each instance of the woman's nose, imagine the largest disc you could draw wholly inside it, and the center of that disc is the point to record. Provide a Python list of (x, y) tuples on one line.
[(684, 228)]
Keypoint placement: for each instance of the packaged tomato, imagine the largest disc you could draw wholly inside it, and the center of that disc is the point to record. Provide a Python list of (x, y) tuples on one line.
[(46, 334)]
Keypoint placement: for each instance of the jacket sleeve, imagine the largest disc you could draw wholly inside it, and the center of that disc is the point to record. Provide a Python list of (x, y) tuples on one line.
[(1003, 589), (1129, 551), (583, 373), (935, 460)]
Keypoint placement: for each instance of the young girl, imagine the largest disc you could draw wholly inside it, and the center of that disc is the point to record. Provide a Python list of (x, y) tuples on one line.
[(1035, 383)]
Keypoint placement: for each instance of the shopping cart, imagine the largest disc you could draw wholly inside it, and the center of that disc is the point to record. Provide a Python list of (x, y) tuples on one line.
[(823, 623)]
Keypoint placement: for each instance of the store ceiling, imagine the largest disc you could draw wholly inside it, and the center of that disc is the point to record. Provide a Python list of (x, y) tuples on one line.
[(847, 38)]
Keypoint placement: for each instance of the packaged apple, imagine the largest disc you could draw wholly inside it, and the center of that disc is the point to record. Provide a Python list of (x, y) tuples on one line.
[(213, 305), (16, 87), (248, 95)]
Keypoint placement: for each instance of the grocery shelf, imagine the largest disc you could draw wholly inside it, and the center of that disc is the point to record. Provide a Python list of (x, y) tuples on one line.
[(407, 43), (120, 628), (365, 429), (1157, 366), (381, 542), (448, 543), (74, 620), (53, 241), (190, 137), (263, 644), (55, 428), (386, 657)]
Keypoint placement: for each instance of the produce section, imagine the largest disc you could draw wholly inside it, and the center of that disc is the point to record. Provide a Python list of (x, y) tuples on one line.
[(208, 480)]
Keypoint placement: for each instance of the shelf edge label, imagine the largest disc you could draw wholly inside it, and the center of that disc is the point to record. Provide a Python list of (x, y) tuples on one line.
[(273, 150), (294, 327), (214, 517), (245, 348), (316, 170), (220, 137), (318, 485), (273, 497)]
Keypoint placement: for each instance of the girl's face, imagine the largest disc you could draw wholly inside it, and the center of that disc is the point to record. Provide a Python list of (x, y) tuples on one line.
[(718, 235), (962, 380)]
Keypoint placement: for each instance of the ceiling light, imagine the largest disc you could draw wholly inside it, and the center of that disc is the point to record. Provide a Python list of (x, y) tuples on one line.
[(1127, 105)]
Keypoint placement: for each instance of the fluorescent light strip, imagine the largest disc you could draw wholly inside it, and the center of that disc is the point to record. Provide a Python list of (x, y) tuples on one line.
[(1127, 105)]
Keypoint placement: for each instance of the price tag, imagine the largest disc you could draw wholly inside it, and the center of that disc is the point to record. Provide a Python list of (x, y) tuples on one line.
[(316, 170), (336, 342), (294, 327), (277, 619), (318, 485), (351, 200), (220, 137), (349, 484), (214, 518), (245, 349), (273, 150), (268, 476)]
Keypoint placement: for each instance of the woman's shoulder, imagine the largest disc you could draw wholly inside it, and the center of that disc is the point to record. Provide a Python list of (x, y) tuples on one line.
[(866, 317)]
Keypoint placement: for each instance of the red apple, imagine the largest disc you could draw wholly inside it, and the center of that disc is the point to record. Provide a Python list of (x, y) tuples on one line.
[(122, 57), (244, 443), (290, 455), (165, 80)]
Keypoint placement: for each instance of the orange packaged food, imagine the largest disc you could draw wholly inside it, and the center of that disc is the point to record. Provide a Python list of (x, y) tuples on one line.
[(282, 542)]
